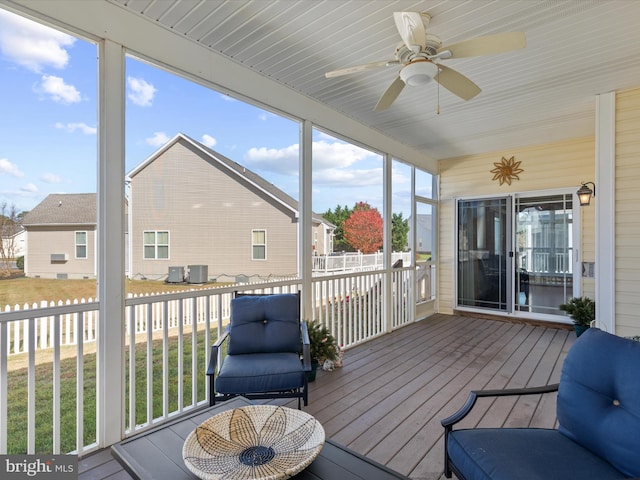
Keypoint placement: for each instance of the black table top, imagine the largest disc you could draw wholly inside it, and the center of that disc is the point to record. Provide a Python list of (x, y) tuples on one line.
[(157, 453)]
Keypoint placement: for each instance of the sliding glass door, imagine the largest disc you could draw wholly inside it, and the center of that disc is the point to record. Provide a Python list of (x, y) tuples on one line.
[(483, 243), (544, 252), (516, 253)]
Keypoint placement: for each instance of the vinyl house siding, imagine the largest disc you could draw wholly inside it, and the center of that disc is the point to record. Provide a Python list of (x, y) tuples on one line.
[(45, 241), (627, 220), (209, 213), (546, 166)]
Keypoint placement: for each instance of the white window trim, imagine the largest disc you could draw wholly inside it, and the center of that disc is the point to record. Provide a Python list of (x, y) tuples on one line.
[(155, 245), (76, 244), (259, 244)]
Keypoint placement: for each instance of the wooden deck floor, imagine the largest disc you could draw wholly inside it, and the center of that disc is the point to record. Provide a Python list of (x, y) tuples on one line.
[(388, 399)]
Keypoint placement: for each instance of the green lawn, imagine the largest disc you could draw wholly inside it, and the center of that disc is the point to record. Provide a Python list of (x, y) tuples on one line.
[(17, 394), (23, 290)]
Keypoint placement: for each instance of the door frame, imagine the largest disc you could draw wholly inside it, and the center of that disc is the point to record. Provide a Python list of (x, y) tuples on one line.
[(511, 311)]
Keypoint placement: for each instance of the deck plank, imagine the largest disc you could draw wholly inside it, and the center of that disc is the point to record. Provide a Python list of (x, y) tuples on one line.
[(388, 399)]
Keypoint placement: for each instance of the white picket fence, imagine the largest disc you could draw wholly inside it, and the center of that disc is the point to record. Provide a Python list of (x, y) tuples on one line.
[(152, 312), (148, 313)]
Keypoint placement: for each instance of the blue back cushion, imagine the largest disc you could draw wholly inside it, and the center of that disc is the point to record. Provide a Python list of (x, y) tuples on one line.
[(599, 398), (265, 324)]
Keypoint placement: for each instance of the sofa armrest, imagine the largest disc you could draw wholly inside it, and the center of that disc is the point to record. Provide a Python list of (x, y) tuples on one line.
[(306, 347), (215, 348), (448, 422)]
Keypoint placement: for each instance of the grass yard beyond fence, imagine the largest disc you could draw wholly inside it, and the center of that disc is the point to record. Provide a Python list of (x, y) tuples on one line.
[(21, 290), (17, 415)]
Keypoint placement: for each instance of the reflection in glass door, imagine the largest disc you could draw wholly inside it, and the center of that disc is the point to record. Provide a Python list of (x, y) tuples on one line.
[(483, 243), (516, 256), (544, 252)]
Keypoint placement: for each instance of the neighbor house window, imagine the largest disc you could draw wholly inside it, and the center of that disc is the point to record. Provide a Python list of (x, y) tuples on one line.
[(81, 244), (156, 245), (258, 245)]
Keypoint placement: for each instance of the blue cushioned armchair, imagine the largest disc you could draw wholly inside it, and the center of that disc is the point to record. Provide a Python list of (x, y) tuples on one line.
[(598, 410), (267, 351)]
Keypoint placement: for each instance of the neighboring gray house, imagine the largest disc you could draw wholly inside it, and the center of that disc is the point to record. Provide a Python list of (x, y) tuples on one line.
[(189, 205), (60, 237)]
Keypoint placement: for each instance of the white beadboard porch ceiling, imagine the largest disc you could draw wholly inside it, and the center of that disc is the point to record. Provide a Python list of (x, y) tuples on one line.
[(576, 49)]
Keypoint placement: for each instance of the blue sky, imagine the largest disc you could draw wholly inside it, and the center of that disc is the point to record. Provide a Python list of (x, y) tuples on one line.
[(48, 118)]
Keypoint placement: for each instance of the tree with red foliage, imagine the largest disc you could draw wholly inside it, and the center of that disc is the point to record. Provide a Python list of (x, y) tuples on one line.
[(363, 229)]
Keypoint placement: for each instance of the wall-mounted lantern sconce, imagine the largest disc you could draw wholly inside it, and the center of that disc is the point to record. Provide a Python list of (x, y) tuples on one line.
[(585, 193)]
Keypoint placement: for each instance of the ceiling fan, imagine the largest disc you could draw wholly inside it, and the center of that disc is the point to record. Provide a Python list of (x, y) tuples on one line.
[(421, 54)]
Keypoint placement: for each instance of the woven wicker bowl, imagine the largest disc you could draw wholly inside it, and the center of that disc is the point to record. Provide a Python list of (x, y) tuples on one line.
[(257, 442)]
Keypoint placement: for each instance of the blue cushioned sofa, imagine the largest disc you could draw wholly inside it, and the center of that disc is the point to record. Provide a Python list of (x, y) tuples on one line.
[(598, 410)]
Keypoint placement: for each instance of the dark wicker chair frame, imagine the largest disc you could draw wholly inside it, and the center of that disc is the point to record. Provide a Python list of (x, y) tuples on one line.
[(301, 393)]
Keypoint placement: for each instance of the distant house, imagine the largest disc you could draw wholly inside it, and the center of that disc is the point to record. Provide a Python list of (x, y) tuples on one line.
[(12, 242), (61, 236), (191, 206), (188, 206)]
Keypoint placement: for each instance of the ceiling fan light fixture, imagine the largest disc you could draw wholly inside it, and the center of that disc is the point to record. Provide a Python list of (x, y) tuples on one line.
[(418, 72)]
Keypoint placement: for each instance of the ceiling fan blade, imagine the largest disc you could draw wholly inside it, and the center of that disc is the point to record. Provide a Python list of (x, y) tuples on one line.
[(498, 43), (456, 83), (390, 94), (360, 68), (411, 29)]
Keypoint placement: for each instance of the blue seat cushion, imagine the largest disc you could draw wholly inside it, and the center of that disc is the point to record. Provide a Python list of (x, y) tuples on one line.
[(259, 373), (599, 398), (524, 454), (265, 324)]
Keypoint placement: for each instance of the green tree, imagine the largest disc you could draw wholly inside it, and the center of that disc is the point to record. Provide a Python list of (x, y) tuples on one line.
[(399, 232), (363, 230), (338, 217)]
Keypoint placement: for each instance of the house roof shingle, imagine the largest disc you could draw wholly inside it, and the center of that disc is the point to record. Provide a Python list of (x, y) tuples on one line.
[(63, 209)]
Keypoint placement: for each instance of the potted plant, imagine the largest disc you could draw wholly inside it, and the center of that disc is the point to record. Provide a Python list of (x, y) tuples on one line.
[(582, 311), (322, 345)]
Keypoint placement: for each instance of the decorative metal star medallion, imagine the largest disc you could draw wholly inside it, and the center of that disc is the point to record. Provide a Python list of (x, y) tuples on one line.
[(506, 170)]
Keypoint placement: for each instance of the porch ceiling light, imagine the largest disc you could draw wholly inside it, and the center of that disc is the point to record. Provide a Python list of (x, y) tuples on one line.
[(585, 193), (418, 72)]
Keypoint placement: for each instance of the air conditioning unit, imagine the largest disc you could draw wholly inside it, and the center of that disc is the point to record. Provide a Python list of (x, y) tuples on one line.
[(198, 274), (176, 275), (58, 257)]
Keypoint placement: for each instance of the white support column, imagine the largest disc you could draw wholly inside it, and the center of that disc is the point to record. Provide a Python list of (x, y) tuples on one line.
[(387, 244), (110, 345), (605, 211), (305, 236)]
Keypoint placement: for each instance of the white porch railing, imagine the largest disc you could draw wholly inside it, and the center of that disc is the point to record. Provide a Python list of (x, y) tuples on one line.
[(355, 262), (49, 353)]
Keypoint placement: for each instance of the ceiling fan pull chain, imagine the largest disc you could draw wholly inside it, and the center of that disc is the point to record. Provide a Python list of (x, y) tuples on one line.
[(438, 109)]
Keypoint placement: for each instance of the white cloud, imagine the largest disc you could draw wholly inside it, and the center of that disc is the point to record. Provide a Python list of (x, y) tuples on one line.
[(72, 127), (29, 188), (209, 141), (349, 178), (141, 92), (281, 160), (9, 168), (58, 90), (158, 139), (31, 44), (327, 155), (48, 177), (337, 155)]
